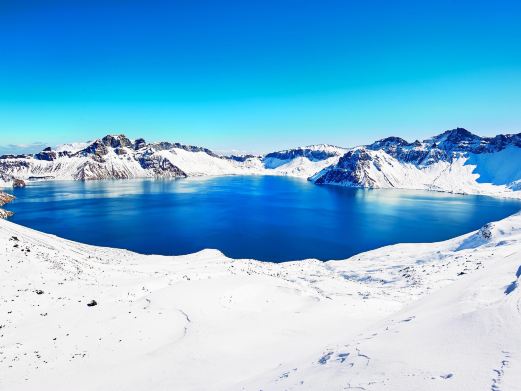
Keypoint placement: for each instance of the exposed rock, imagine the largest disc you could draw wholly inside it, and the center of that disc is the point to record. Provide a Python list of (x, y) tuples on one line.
[(5, 198), (92, 303), (160, 166), (350, 170), (46, 154), (486, 231), (240, 158), (4, 214), (311, 154), (393, 159), (118, 141), (97, 148), (18, 183), (139, 143)]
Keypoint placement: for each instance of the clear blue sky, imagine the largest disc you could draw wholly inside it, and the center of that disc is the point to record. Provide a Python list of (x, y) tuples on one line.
[(257, 75)]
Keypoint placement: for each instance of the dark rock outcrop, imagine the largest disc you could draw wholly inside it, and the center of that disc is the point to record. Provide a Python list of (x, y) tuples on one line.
[(350, 170), (139, 143), (240, 158), (161, 166), (311, 154), (18, 183), (4, 199), (118, 141), (97, 148)]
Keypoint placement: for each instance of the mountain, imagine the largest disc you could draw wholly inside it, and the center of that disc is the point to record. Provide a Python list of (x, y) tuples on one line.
[(423, 316), (117, 157), (454, 161)]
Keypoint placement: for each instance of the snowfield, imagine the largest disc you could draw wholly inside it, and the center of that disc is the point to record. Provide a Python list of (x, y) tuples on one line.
[(437, 316)]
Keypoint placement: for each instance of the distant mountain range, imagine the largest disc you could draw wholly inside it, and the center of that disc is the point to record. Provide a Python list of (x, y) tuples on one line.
[(454, 161), (117, 157)]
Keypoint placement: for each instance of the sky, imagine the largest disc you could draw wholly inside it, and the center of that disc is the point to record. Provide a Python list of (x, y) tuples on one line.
[(256, 76)]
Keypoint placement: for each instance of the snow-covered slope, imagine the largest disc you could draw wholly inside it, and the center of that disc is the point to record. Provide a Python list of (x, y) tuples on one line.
[(440, 316), (117, 157), (454, 161)]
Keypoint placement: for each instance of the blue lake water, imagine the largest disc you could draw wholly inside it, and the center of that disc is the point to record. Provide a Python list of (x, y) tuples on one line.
[(265, 218)]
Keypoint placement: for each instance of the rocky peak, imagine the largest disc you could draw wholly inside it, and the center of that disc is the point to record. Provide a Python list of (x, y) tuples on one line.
[(458, 140), (96, 148), (47, 154), (456, 136), (352, 158), (116, 141), (139, 143), (388, 142)]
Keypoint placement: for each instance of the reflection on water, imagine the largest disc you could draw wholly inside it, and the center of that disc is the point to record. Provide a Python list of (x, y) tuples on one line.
[(267, 218)]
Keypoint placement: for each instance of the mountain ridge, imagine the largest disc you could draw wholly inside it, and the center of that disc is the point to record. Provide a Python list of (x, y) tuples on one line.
[(455, 160)]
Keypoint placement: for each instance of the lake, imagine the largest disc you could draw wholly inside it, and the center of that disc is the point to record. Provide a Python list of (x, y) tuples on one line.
[(261, 217)]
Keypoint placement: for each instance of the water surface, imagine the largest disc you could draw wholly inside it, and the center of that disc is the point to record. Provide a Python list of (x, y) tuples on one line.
[(260, 217)]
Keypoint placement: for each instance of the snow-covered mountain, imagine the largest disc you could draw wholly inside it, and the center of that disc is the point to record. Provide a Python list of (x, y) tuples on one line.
[(117, 157), (438, 316), (455, 161)]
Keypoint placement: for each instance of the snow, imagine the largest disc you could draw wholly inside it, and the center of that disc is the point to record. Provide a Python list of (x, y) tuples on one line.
[(455, 169), (113, 165), (494, 174), (404, 317), (72, 147)]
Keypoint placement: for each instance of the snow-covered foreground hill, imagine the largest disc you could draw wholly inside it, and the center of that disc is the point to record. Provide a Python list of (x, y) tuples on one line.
[(439, 316)]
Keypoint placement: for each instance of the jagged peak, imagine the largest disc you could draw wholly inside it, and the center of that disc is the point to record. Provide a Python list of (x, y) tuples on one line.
[(116, 141), (456, 135), (388, 142)]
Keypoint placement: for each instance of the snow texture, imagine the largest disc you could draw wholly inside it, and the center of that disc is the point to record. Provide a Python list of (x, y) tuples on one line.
[(437, 316)]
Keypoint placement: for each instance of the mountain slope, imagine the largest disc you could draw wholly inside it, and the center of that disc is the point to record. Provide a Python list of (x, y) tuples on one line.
[(454, 161), (117, 157), (411, 316)]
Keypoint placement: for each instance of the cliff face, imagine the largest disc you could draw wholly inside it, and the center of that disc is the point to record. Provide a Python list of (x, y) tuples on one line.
[(112, 157), (117, 157), (454, 161)]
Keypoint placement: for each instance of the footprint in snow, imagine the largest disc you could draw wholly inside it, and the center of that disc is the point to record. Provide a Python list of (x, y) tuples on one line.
[(514, 284), (325, 358)]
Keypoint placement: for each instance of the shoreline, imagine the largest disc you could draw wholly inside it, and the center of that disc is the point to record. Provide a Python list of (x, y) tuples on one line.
[(170, 318), (5, 198), (334, 259), (504, 194)]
